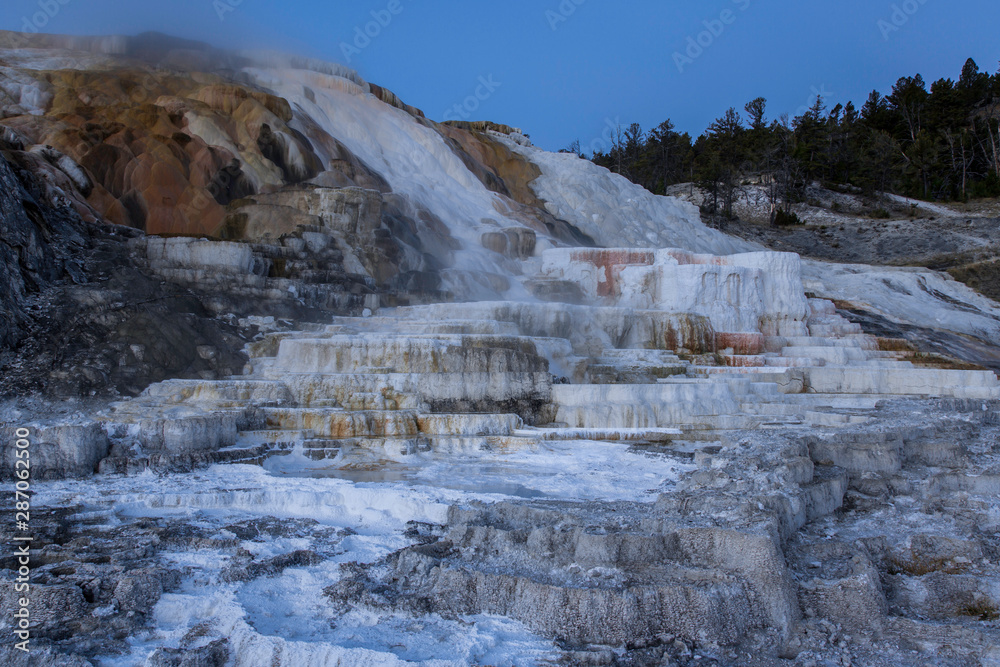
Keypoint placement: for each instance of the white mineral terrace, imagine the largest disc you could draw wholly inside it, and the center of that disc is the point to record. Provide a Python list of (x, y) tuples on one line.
[(676, 344), (670, 445), (365, 424)]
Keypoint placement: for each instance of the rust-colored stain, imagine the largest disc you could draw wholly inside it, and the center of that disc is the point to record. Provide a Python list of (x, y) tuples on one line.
[(684, 257), (743, 361), (741, 343), (613, 261)]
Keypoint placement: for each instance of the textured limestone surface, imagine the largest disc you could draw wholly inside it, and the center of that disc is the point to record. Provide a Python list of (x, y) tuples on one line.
[(761, 537), (372, 390)]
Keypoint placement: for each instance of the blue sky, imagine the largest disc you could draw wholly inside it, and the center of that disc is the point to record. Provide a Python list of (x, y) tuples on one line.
[(564, 69)]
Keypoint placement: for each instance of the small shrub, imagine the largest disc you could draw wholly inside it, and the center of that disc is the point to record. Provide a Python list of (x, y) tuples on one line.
[(982, 610), (927, 360), (895, 345), (881, 214), (785, 218), (836, 207)]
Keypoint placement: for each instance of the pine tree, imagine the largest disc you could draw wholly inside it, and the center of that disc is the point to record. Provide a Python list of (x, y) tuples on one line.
[(812, 140), (663, 145), (725, 145), (908, 99), (938, 143)]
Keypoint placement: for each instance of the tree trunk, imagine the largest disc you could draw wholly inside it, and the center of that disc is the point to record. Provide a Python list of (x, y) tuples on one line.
[(965, 167), (993, 141)]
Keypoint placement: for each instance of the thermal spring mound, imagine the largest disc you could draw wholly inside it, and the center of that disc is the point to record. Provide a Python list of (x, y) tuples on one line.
[(495, 406), (670, 460)]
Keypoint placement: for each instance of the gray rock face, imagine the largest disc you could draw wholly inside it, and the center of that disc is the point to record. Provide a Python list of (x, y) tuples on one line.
[(41, 656), (215, 654), (703, 565), (753, 544), (56, 451), (91, 588), (138, 591), (612, 576), (54, 608), (76, 316), (36, 247), (841, 583)]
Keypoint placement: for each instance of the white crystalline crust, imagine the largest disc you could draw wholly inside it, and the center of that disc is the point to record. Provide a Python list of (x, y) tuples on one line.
[(285, 618), (616, 212), (411, 415), (748, 292), (907, 295), (195, 254), (412, 157), (22, 94)]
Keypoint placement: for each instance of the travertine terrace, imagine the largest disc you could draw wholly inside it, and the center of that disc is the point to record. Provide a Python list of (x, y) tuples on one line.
[(469, 427)]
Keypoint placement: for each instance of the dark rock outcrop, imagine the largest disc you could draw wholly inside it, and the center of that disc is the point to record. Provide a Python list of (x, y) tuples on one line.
[(57, 450), (76, 315), (39, 245)]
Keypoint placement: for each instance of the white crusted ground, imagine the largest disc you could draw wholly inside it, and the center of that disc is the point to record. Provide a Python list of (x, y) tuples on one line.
[(286, 617), (612, 208), (619, 213), (412, 157), (420, 412)]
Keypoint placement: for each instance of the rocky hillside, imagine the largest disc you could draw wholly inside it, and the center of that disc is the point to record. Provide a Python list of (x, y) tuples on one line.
[(370, 389), (845, 226), (173, 138)]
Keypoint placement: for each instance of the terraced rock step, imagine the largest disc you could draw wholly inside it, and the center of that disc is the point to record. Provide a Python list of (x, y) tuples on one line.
[(704, 563), (410, 354), (905, 381), (666, 454), (594, 577), (603, 434), (773, 428), (633, 374)]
